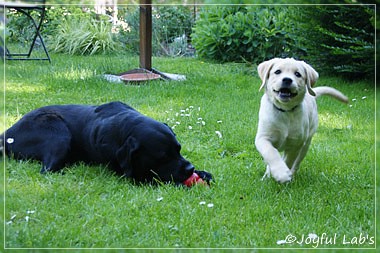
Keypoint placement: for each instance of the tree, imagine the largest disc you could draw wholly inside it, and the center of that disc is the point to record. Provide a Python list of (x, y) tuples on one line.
[(337, 41)]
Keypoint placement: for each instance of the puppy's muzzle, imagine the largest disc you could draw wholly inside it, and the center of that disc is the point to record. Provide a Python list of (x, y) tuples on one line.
[(285, 92)]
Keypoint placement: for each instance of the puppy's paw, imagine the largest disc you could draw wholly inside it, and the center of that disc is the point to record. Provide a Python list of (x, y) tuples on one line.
[(267, 174), (282, 175), (207, 177)]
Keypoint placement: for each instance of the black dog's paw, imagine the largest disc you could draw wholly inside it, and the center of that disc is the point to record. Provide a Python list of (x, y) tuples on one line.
[(204, 175)]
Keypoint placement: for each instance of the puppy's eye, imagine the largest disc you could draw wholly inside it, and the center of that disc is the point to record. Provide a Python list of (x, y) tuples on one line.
[(297, 74), (277, 72)]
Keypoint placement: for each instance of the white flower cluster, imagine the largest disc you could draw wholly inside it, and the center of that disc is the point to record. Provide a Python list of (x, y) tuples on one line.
[(190, 118), (354, 100), (27, 217), (184, 116)]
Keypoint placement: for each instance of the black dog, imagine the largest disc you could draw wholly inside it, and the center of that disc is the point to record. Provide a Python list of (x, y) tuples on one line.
[(115, 134)]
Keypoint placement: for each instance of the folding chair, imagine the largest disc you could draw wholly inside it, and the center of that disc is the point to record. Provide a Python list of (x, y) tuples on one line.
[(26, 7)]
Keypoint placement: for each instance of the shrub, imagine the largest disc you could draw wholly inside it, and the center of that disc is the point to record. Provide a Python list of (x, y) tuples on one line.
[(236, 33), (332, 38), (19, 28), (66, 29)]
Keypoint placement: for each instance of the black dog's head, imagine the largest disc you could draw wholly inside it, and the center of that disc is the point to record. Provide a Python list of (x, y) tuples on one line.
[(152, 151)]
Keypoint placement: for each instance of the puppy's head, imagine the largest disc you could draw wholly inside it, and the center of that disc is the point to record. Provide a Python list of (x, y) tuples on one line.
[(153, 152), (286, 81)]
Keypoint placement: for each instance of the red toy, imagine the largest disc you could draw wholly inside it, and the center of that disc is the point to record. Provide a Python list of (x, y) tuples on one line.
[(193, 180)]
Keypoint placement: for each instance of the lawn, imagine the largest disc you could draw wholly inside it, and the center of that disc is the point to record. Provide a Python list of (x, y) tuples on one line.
[(214, 114)]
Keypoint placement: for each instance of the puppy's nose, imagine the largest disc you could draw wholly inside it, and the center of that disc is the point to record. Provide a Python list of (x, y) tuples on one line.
[(287, 81)]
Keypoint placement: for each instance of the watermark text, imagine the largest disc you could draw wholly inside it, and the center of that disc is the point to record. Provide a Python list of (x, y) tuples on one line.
[(324, 240)]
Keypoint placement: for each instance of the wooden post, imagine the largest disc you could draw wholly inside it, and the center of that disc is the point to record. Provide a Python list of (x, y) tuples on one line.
[(146, 34)]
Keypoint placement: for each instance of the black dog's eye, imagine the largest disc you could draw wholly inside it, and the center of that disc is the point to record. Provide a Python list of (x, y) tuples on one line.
[(277, 72), (297, 74), (164, 157)]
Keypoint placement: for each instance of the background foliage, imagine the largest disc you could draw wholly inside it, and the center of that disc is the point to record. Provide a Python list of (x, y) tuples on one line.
[(81, 35), (337, 41), (233, 33), (79, 30), (172, 26), (332, 38)]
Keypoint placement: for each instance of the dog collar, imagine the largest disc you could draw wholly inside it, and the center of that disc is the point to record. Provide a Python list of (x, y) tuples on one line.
[(282, 110)]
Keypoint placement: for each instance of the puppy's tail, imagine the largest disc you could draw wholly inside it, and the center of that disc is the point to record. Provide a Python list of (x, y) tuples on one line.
[(324, 90)]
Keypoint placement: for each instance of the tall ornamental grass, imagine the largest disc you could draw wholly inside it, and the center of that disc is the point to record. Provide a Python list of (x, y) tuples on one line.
[(83, 36)]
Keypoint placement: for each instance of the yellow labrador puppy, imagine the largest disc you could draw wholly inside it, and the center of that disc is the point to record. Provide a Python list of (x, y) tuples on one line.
[(288, 115)]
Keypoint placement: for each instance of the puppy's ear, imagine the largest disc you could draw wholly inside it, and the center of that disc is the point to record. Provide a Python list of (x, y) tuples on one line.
[(263, 70), (311, 78), (125, 154)]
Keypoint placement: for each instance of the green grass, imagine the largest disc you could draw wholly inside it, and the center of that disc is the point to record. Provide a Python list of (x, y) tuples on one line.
[(88, 206)]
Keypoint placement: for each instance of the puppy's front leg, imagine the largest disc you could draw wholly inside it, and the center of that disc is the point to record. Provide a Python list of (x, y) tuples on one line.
[(276, 166)]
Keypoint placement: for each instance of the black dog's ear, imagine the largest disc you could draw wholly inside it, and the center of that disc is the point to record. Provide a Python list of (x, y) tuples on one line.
[(125, 153), (171, 130)]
